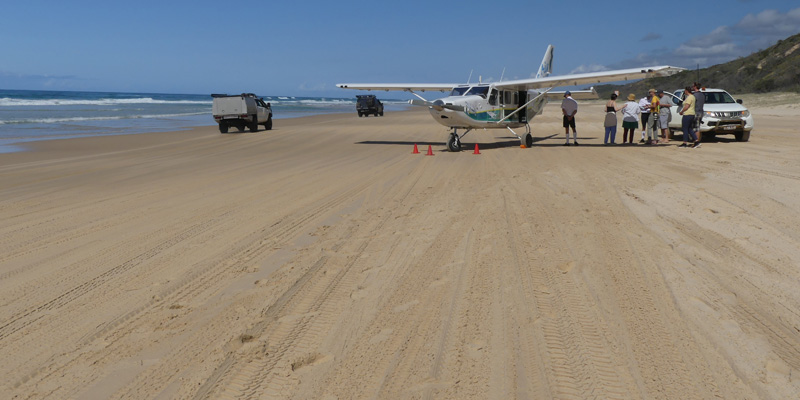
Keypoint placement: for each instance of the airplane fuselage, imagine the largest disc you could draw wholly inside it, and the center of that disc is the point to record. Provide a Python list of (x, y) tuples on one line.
[(484, 106)]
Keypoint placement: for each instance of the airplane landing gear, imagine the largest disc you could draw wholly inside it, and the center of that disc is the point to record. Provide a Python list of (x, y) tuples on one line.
[(528, 140), (454, 142)]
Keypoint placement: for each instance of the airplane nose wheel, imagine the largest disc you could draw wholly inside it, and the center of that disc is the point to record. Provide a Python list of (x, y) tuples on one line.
[(528, 141), (454, 143)]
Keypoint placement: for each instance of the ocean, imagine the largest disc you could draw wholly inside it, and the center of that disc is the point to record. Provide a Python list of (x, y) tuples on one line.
[(30, 115)]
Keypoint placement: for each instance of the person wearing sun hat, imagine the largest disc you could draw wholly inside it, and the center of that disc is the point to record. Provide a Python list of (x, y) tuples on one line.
[(630, 119), (652, 122)]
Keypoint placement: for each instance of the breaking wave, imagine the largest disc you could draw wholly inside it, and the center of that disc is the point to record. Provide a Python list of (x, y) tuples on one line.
[(79, 119), (9, 102)]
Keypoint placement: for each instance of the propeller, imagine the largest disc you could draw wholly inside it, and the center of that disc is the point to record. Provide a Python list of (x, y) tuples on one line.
[(437, 105)]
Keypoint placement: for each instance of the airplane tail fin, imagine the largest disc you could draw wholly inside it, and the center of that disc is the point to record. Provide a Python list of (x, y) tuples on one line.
[(547, 63)]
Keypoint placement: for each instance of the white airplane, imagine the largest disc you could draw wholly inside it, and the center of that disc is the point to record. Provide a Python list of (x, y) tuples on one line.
[(505, 104)]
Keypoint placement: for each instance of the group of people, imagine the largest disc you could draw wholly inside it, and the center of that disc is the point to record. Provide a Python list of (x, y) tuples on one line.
[(652, 110)]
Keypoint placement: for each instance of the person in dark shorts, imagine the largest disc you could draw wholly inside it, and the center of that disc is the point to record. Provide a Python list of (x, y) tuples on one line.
[(569, 107)]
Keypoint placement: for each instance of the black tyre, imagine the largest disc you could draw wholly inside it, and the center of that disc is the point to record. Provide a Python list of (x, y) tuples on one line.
[(254, 124), (528, 140), (268, 124), (381, 113), (454, 144), (742, 137), (360, 114), (223, 127), (240, 127)]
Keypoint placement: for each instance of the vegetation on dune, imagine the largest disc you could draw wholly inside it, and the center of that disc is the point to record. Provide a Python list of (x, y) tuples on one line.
[(774, 69)]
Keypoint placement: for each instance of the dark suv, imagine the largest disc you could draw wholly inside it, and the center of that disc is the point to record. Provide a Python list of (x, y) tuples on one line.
[(368, 104)]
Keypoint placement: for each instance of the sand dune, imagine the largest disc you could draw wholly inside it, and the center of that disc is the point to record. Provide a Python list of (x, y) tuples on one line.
[(324, 260)]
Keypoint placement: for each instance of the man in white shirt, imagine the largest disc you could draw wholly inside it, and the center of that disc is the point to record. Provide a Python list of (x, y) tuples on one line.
[(644, 109), (569, 107)]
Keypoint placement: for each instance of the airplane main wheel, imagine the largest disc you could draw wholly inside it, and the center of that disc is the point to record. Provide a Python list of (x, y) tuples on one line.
[(528, 140), (454, 143)]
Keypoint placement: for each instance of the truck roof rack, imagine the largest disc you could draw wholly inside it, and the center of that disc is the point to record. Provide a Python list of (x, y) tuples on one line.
[(233, 95)]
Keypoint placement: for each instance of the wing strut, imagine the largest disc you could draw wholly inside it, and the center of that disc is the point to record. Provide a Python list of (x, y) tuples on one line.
[(524, 105), (418, 96)]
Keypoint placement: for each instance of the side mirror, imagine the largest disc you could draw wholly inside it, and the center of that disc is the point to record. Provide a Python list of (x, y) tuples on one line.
[(739, 101)]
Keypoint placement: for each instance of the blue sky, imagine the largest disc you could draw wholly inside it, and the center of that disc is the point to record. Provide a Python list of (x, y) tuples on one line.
[(305, 48)]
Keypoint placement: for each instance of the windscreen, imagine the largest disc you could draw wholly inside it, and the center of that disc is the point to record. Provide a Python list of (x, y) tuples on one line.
[(478, 90), (470, 91), (719, 98)]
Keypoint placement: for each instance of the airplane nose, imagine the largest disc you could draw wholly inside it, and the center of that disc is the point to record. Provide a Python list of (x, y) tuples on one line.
[(437, 105)]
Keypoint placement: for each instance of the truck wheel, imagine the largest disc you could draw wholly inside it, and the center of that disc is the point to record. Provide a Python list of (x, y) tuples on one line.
[(381, 113), (240, 127), (268, 125), (254, 124), (360, 114), (223, 127), (742, 137)]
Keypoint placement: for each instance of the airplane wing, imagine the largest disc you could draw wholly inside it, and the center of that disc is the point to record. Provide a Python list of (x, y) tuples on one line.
[(405, 87), (589, 94), (589, 78), (526, 84)]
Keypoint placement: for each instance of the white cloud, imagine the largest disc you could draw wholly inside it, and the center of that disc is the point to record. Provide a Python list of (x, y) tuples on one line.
[(771, 23), (718, 36), (727, 42), (585, 69)]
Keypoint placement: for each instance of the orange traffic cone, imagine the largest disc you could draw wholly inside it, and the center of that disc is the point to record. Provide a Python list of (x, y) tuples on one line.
[(430, 151), (416, 150), (476, 150)]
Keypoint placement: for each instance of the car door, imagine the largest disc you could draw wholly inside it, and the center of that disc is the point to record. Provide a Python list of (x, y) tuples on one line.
[(677, 98), (262, 111)]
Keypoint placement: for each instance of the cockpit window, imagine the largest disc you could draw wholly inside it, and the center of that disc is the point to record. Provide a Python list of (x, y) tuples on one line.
[(459, 91), (478, 90), (470, 91)]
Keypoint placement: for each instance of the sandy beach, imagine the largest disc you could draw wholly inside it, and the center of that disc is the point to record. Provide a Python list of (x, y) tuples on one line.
[(324, 260)]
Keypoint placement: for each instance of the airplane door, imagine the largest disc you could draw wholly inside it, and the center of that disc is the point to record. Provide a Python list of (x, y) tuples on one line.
[(522, 98)]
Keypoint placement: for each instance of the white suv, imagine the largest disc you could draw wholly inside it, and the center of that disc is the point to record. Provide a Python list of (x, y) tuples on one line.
[(722, 115)]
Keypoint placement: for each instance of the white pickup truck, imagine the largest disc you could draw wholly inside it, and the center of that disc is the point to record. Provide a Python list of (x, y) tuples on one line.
[(722, 115), (241, 110)]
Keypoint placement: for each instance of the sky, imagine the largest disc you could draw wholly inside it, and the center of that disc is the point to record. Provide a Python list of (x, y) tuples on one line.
[(305, 48)]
